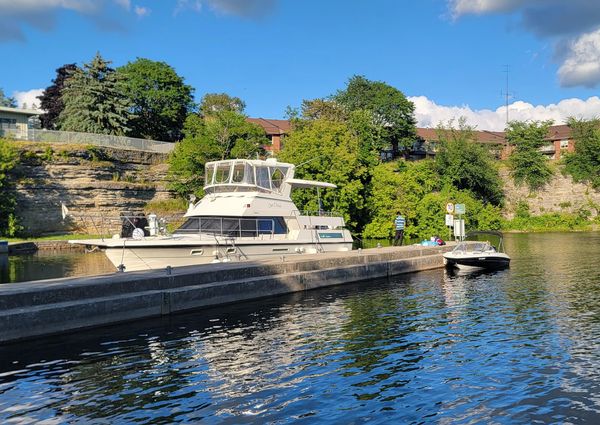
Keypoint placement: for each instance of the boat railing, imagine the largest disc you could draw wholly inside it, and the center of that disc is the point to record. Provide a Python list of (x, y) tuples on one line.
[(317, 213), (229, 227), (108, 225)]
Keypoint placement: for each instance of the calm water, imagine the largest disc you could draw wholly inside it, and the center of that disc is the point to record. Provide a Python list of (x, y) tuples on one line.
[(517, 346), (50, 265)]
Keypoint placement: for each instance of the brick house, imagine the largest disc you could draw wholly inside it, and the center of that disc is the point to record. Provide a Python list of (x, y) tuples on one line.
[(559, 140), (276, 131)]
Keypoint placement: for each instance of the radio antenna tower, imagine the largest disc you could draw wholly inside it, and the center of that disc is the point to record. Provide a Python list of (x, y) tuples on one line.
[(506, 94)]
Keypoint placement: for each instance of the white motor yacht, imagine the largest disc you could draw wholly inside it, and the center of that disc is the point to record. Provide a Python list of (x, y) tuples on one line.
[(246, 214)]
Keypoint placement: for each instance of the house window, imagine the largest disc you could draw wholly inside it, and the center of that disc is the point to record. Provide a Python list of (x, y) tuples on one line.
[(564, 144)]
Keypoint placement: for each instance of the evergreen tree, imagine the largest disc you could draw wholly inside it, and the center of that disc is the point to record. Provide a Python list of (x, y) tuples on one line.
[(9, 102), (94, 102), (51, 101)]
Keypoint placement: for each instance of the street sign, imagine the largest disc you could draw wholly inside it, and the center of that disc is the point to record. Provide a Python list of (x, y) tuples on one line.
[(459, 209), (449, 220), (449, 207)]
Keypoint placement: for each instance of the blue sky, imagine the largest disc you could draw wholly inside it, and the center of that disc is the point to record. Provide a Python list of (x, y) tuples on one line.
[(448, 56)]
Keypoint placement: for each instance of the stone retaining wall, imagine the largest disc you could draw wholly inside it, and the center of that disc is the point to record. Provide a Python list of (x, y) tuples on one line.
[(40, 308), (94, 183)]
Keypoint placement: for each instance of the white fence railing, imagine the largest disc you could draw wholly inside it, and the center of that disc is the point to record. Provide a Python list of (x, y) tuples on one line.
[(71, 137)]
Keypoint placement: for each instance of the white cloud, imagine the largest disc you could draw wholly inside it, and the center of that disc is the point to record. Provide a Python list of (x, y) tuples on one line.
[(15, 15), (142, 11), (430, 114), (572, 25), (125, 4), (194, 5), (480, 7), (582, 63), (28, 97), (241, 8)]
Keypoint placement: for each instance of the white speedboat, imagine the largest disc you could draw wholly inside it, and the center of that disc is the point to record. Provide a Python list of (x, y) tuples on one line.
[(478, 254), (246, 214)]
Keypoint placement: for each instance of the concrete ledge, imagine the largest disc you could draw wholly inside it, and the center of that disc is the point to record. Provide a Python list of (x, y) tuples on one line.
[(33, 309)]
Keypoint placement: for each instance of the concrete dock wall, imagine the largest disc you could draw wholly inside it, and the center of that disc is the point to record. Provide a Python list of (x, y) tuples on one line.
[(33, 309)]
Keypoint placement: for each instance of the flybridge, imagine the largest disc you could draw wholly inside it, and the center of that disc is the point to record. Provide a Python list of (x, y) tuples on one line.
[(254, 175)]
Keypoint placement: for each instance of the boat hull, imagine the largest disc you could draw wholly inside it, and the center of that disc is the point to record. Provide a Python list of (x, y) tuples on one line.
[(486, 261), (136, 258)]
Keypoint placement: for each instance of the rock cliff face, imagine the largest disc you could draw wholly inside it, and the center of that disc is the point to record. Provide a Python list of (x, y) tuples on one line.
[(562, 194), (94, 183)]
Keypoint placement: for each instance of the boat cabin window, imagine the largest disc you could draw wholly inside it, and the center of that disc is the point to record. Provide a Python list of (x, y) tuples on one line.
[(239, 171), (262, 177), (210, 172), (277, 176), (234, 226), (222, 173)]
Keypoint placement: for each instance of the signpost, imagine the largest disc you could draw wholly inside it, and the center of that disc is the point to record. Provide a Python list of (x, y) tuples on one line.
[(459, 225)]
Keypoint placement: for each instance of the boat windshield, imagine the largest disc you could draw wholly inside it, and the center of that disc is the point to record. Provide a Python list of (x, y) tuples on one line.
[(244, 175), (473, 246)]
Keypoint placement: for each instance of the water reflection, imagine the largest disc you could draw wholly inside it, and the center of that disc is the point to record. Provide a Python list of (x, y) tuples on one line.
[(52, 264), (511, 346)]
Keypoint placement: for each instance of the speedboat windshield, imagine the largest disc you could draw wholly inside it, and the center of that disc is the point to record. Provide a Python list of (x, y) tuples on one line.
[(474, 246)]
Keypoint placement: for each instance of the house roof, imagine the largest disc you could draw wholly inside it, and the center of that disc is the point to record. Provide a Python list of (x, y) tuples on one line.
[(20, 111), (555, 132), (488, 137), (559, 132), (272, 127), (279, 127)]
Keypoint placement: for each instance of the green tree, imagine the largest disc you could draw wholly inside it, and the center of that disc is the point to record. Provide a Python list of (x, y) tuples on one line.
[(316, 109), (329, 151), (417, 191), (9, 102), (390, 108), (94, 102), (584, 163), (51, 99), (223, 135), (8, 160), (527, 163), (220, 102), (234, 136), (465, 164), (160, 98)]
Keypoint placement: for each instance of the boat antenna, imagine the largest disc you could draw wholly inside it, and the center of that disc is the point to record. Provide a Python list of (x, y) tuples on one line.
[(311, 160), (506, 95)]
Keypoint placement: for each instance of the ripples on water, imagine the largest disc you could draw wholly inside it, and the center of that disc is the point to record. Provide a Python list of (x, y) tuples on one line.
[(516, 346)]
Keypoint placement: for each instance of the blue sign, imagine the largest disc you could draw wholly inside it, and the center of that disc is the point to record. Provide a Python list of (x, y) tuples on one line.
[(459, 209)]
